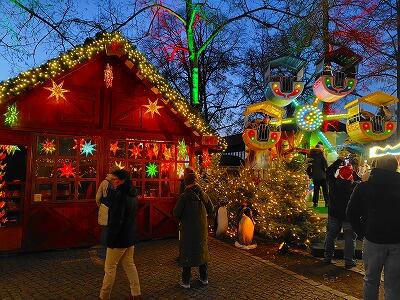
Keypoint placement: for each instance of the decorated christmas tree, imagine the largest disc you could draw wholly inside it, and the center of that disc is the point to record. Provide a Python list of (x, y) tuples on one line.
[(277, 197)]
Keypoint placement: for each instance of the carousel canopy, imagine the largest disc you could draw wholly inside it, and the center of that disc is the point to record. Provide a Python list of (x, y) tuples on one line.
[(377, 98)]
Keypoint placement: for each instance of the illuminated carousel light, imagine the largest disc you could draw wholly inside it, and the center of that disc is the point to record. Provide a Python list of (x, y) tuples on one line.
[(309, 118)]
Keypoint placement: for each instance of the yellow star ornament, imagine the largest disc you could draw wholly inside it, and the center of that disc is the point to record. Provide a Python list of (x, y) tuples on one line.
[(153, 108), (57, 90), (119, 165)]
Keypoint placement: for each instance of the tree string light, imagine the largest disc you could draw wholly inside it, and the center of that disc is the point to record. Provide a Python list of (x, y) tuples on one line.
[(277, 198)]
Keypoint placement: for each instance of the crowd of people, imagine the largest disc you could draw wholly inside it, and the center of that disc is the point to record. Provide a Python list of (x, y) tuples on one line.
[(117, 201), (365, 207)]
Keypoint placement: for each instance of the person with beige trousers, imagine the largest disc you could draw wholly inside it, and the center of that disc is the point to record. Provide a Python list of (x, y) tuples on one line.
[(121, 235)]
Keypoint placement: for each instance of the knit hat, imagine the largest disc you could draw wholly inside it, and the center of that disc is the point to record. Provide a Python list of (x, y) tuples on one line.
[(346, 172)]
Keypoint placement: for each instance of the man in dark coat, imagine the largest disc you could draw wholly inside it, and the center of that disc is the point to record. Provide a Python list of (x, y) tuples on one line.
[(191, 210), (341, 185), (121, 235), (373, 211), (317, 172)]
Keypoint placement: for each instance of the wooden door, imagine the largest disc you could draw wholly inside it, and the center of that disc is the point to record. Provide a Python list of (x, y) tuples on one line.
[(13, 165)]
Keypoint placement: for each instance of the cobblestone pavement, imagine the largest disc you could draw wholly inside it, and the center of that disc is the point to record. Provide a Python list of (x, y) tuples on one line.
[(77, 274)]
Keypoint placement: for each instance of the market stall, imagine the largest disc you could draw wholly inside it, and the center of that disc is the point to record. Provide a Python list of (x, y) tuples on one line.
[(97, 106)]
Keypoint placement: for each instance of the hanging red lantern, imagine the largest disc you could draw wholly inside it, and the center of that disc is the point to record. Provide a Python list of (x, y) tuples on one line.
[(206, 158)]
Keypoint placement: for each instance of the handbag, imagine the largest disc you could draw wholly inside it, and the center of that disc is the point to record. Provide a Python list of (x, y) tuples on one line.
[(102, 218)]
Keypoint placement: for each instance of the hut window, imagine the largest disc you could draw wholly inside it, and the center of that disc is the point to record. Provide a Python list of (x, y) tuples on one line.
[(156, 167), (65, 168)]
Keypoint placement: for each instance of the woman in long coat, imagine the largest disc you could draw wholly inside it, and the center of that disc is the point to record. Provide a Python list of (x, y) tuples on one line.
[(191, 210)]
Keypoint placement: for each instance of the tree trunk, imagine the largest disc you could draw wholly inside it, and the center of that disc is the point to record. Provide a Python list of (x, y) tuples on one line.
[(398, 65), (193, 57), (202, 89), (325, 43)]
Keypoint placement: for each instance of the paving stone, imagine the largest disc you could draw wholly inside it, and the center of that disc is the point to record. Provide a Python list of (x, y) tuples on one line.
[(78, 274)]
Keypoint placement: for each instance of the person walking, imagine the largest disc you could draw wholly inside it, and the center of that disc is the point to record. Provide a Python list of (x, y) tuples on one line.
[(341, 185), (121, 235), (191, 210), (317, 172), (373, 211)]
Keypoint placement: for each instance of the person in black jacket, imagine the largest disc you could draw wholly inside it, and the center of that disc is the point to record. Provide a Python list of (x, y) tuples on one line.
[(341, 185), (317, 172), (121, 234), (373, 211), (191, 210)]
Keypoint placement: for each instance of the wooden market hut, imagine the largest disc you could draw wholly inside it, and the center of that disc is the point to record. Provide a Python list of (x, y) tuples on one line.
[(67, 122)]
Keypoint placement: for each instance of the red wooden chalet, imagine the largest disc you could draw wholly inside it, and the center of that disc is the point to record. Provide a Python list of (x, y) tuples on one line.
[(67, 122)]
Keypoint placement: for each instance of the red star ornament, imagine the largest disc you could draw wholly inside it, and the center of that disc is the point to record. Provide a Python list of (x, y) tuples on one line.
[(67, 170), (135, 151), (114, 148)]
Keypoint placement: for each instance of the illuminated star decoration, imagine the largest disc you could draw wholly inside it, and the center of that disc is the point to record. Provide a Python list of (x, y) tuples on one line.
[(10, 149), (135, 151), (88, 148), (155, 150), (151, 170), (48, 146), (149, 151), (152, 108), (114, 148), (67, 170), (180, 170), (165, 166), (57, 91), (11, 115), (182, 150), (119, 165), (108, 76), (167, 153), (81, 141)]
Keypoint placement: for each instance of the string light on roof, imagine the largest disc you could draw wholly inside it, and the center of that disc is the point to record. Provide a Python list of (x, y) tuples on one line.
[(67, 61)]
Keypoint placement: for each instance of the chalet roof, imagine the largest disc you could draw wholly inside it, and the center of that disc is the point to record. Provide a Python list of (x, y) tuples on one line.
[(112, 44)]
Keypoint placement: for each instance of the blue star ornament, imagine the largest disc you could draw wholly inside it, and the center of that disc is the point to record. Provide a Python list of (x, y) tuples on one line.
[(88, 148)]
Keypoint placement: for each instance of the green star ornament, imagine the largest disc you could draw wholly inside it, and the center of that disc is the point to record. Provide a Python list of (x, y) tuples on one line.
[(151, 170)]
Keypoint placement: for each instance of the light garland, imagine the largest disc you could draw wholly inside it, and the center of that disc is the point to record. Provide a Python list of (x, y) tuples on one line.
[(39, 75)]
